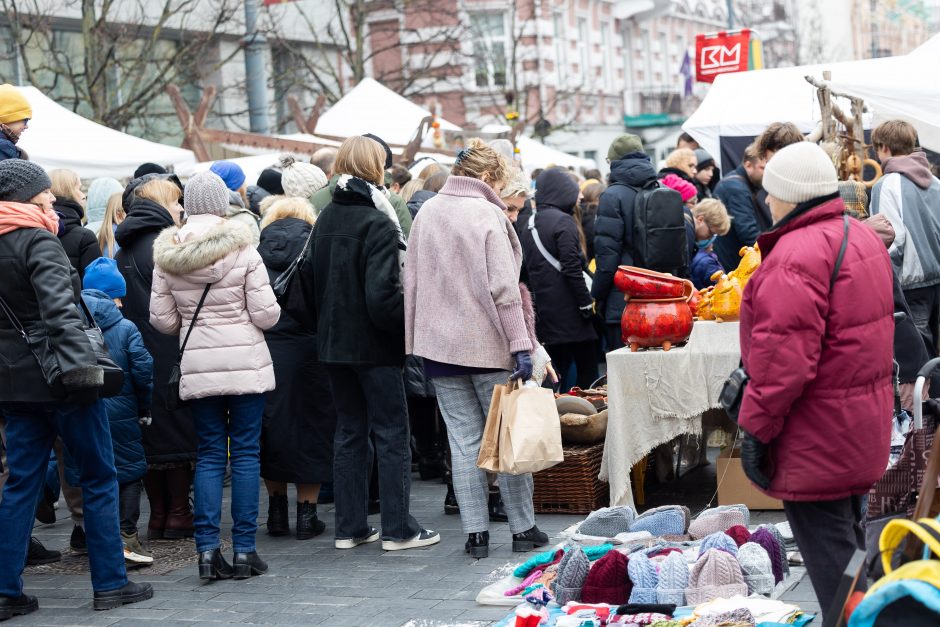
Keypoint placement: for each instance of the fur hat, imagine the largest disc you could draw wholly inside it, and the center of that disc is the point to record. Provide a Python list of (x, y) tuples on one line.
[(14, 107), (755, 564), (668, 520), (709, 522), (673, 580), (231, 173), (301, 179), (572, 572), (607, 580), (739, 534), (767, 540), (715, 575), (644, 577), (21, 181), (607, 522), (718, 540), (800, 172), (206, 193)]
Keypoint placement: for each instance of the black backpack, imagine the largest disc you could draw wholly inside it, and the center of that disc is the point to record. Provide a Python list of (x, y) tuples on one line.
[(659, 237)]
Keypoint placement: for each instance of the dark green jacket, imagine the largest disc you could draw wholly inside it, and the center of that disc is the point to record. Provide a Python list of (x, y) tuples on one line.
[(323, 197)]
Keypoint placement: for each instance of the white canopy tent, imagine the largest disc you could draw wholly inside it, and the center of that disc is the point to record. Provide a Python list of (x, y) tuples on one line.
[(59, 138), (743, 104), (535, 154)]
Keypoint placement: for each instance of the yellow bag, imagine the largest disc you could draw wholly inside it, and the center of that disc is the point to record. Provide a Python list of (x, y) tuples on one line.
[(488, 459), (530, 431)]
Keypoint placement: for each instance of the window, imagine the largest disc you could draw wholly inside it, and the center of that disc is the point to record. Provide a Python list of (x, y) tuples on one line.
[(489, 49), (606, 51), (584, 42), (561, 57), (668, 71), (627, 52)]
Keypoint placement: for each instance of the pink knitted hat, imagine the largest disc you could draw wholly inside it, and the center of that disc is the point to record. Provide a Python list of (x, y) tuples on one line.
[(685, 189), (715, 575)]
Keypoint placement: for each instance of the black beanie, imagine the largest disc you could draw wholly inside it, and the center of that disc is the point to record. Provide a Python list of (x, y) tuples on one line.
[(148, 168), (388, 151), (270, 181), (21, 181)]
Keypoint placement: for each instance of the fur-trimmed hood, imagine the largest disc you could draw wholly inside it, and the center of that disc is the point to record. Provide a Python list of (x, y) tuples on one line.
[(202, 248)]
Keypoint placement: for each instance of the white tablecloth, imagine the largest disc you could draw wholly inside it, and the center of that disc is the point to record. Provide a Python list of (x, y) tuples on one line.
[(655, 396)]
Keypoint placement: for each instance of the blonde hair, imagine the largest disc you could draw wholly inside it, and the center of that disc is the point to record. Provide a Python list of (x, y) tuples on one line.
[(515, 187), (363, 158), (160, 191), (715, 215), (113, 214), (431, 170), (679, 159), (410, 188), (64, 184), (289, 207), (478, 160), (265, 203)]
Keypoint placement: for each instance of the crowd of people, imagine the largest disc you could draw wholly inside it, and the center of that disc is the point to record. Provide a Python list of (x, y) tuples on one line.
[(419, 290)]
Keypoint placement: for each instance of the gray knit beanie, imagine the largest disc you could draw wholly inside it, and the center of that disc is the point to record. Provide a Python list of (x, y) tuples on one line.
[(668, 520), (206, 193), (607, 522), (673, 580), (301, 179), (642, 573), (800, 172), (755, 564), (572, 571), (21, 181)]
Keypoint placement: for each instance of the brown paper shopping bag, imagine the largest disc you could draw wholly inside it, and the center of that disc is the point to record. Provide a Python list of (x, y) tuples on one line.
[(530, 432), (488, 459)]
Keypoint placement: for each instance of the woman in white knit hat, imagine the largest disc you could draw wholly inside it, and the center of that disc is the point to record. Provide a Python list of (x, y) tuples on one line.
[(817, 342)]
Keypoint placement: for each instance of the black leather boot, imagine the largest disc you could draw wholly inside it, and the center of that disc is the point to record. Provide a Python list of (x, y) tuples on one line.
[(450, 501), (497, 511), (17, 606), (528, 540), (130, 593), (278, 515), (248, 564), (478, 544), (212, 565), (308, 525)]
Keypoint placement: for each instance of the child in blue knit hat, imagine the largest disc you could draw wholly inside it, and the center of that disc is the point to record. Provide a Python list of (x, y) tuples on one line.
[(104, 289)]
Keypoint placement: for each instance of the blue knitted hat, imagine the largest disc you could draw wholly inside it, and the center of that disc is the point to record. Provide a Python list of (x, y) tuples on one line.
[(661, 521), (673, 580), (721, 541), (229, 172), (607, 522), (643, 575), (103, 274)]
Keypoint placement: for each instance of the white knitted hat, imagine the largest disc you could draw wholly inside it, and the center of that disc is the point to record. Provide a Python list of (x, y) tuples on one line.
[(301, 179), (755, 565), (800, 172)]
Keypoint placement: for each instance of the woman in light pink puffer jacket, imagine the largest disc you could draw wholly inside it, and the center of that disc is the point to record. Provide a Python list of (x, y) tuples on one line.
[(226, 367)]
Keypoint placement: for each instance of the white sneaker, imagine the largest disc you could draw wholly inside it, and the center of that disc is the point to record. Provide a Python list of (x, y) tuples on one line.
[(351, 543), (134, 551), (136, 558), (425, 538)]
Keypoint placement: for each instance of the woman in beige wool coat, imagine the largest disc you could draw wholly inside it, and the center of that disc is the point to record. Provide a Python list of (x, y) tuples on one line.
[(226, 367)]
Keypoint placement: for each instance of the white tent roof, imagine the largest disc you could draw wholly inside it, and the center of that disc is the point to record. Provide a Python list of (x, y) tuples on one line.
[(744, 103), (535, 155), (59, 138), (370, 107)]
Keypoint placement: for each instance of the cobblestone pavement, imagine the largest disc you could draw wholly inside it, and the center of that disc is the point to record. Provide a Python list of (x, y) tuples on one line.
[(311, 583)]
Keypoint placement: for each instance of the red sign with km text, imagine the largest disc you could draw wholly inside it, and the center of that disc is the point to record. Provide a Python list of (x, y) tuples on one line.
[(721, 53)]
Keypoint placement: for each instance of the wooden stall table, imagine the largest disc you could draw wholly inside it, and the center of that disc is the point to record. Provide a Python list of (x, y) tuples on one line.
[(654, 396)]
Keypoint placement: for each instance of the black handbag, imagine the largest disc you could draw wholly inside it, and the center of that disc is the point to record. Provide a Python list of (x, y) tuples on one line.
[(113, 375), (290, 292), (171, 396)]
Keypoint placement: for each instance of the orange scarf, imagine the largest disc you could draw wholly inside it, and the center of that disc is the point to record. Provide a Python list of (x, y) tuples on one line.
[(17, 215)]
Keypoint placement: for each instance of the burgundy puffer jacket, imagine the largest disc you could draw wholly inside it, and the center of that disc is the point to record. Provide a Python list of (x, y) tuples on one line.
[(819, 361)]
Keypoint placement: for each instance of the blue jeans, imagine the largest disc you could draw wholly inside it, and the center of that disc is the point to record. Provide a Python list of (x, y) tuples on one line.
[(227, 425), (31, 430)]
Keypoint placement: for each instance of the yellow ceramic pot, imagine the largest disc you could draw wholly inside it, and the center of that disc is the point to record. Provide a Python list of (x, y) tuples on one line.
[(726, 298)]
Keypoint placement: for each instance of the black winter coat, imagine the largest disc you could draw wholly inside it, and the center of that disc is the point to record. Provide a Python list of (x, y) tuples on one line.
[(356, 279), (42, 289), (299, 417), (613, 239), (80, 244), (749, 217), (172, 436)]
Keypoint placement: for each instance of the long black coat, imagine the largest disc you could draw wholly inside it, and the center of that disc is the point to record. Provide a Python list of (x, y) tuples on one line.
[(613, 235), (172, 436), (299, 418), (80, 244), (41, 288)]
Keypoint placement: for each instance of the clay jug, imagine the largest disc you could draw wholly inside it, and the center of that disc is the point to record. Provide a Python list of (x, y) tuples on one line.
[(726, 298)]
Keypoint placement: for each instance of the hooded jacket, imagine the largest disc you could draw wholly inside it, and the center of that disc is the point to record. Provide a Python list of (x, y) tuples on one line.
[(749, 218), (819, 356), (559, 295), (419, 198), (613, 229), (80, 244), (323, 197), (226, 353), (238, 213), (126, 347), (909, 196)]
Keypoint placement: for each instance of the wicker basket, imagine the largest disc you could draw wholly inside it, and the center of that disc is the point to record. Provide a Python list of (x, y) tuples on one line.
[(572, 487)]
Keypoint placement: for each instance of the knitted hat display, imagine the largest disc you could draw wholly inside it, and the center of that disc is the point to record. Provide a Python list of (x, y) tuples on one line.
[(572, 571), (673, 580), (624, 145), (720, 541), (206, 193), (800, 172), (739, 534), (717, 522), (755, 564), (607, 580), (644, 577), (301, 179), (231, 173), (14, 106), (607, 522), (21, 181), (668, 520), (740, 507), (103, 274), (715, 575), (782, 546), (766, 539)]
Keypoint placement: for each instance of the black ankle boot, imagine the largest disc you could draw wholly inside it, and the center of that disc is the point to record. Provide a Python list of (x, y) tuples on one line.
[(497, 511), (248, 564), (308, 525), (450, 501), (278, 515), (212, 565), (478, 544), (528, 540)]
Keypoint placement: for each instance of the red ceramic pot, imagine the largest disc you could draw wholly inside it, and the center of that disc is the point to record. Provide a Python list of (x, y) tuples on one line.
[(649, 323), (649, 285)]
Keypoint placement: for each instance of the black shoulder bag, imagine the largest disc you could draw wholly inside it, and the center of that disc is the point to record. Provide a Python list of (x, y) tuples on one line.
[(171, 397), (289, 291), (732, 392)]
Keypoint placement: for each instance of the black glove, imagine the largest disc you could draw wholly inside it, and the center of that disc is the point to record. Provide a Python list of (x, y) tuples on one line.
[(523, 366), (82, 397), (754, 454)]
